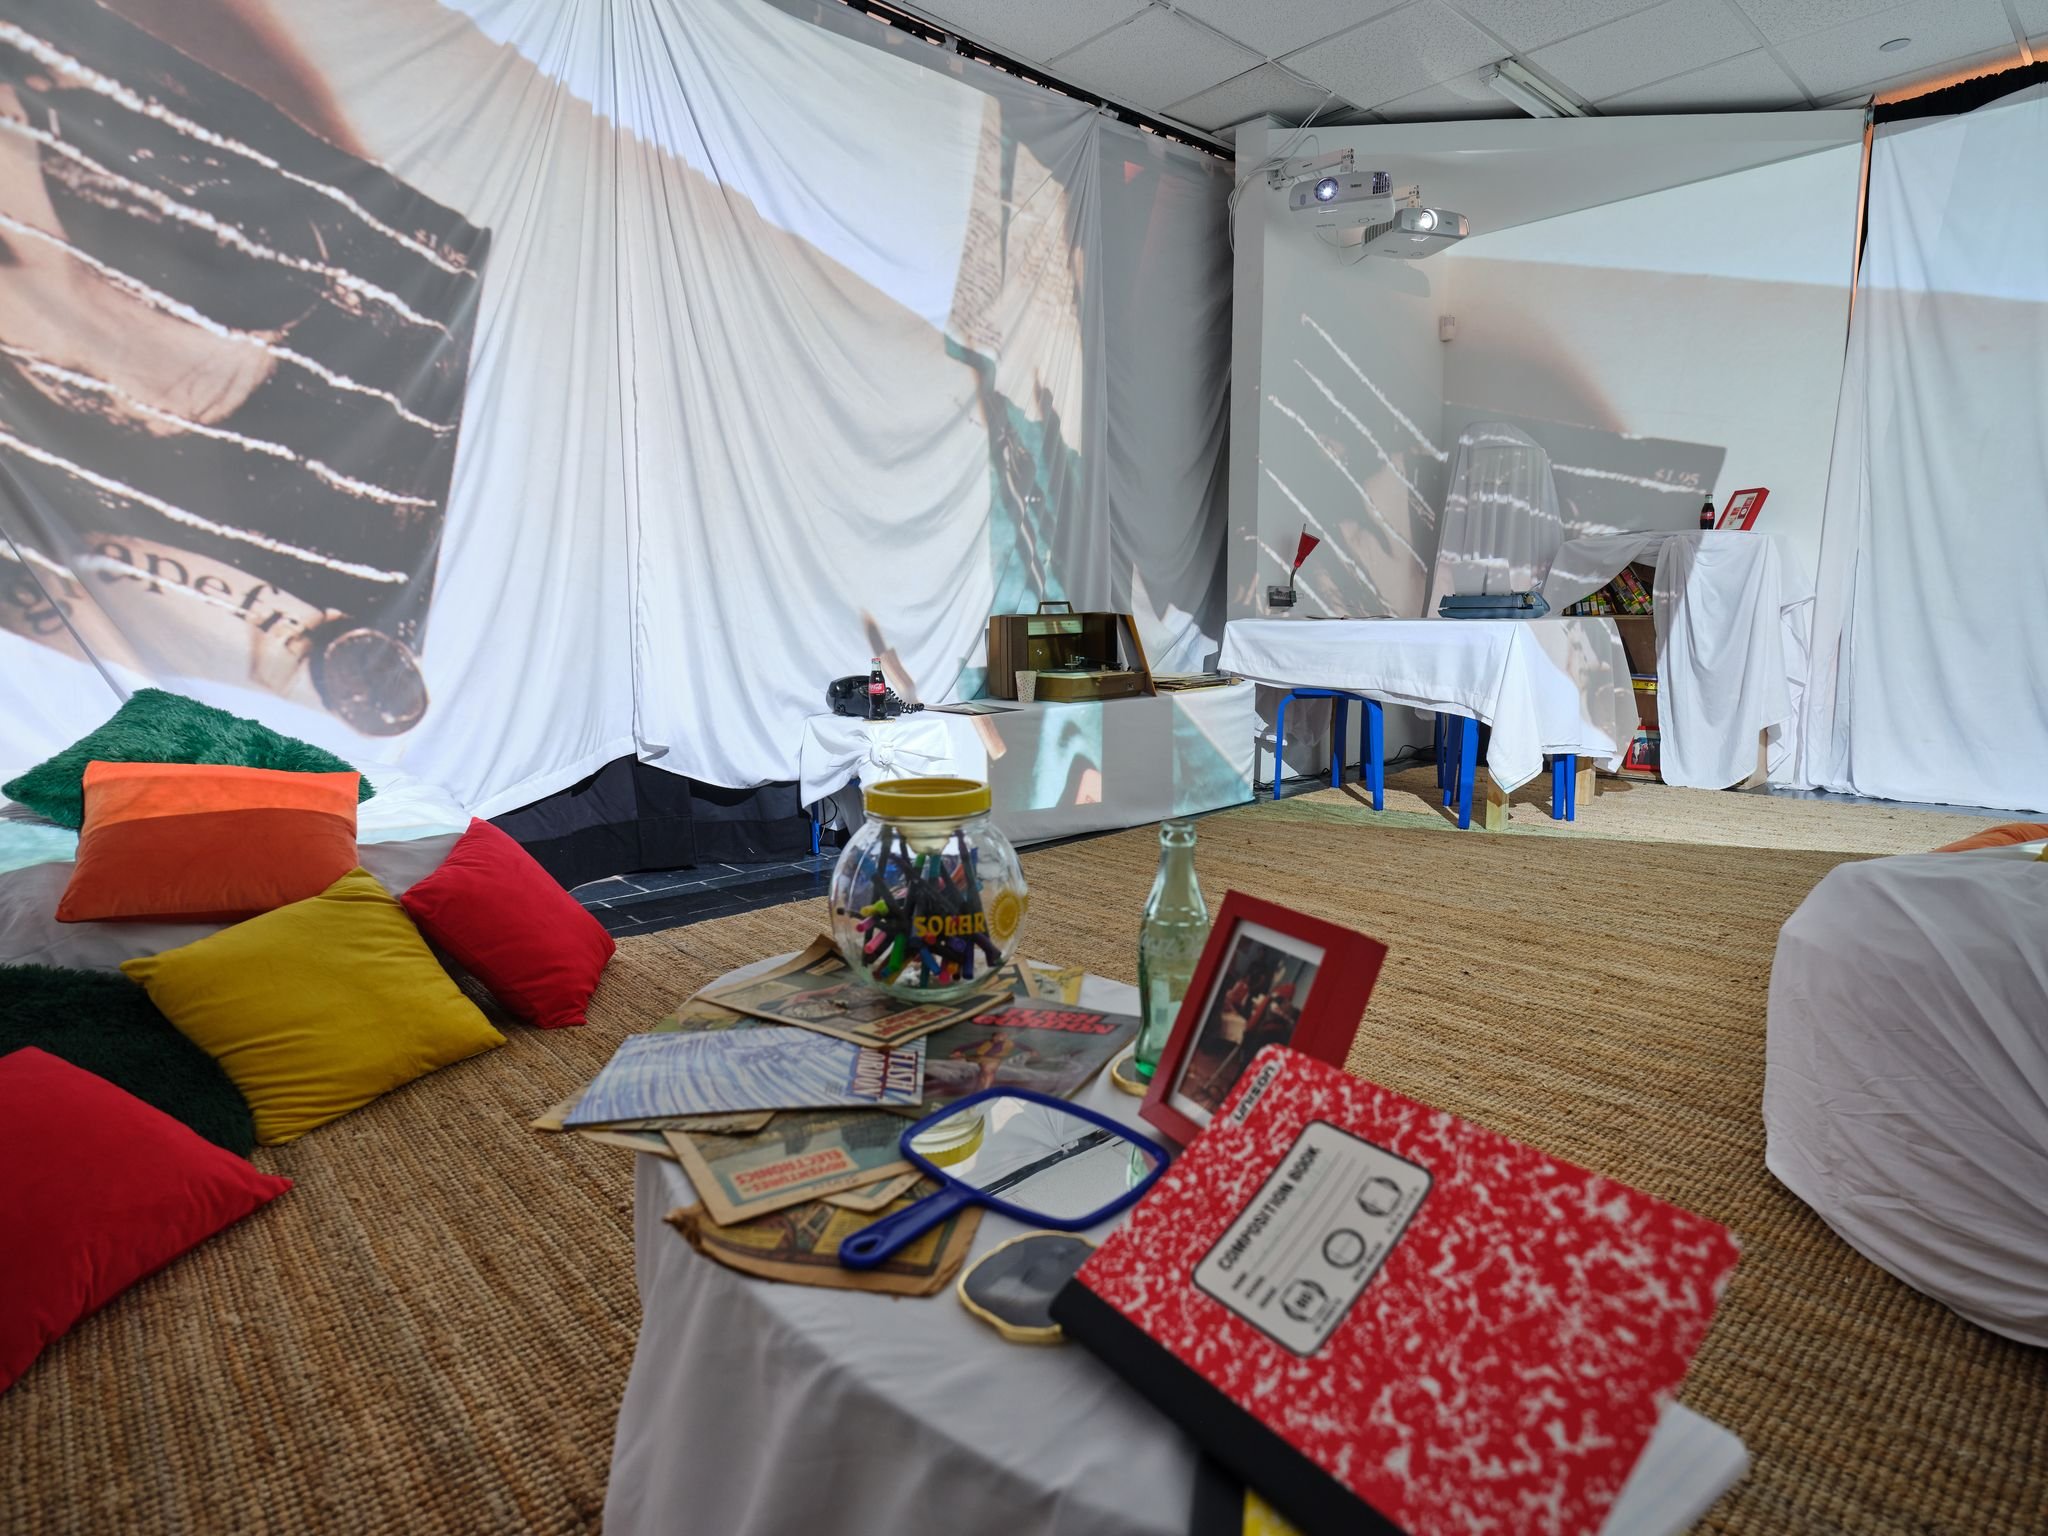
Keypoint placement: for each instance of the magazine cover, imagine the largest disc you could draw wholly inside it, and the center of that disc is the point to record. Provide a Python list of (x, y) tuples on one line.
[(681, 1074), (1041, 1045)]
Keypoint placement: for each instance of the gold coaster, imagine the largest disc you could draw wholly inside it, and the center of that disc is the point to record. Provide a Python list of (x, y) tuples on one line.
[(1123, 1072)]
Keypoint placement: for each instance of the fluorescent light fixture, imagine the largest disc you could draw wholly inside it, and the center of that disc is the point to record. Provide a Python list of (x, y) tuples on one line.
[(1509, 79)]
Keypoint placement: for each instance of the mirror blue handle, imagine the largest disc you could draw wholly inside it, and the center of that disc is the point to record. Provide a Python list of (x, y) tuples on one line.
[(878, 1240), (1043, 1161)]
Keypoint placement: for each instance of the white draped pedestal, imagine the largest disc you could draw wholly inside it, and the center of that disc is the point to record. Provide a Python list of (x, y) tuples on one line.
[(759, 1409), (1053, 769), (1733, 623), (1544, 685), (1906, 1073)]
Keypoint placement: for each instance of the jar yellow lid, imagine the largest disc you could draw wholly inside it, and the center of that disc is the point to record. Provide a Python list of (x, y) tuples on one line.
[(912, 799)]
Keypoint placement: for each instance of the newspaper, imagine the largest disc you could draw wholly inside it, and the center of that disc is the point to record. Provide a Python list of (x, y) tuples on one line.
[(800, 1245), (817, 990), (803, 1156)]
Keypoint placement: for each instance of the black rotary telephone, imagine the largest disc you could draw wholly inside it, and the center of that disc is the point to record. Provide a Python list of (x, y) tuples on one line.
[(849, 696)]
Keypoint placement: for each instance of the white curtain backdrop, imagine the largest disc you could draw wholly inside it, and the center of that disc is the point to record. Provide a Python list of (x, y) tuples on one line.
[(1930, 627), (757, 338)]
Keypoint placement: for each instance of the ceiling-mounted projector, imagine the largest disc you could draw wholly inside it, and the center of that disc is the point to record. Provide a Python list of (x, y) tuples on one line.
[(1414, 233), (1344, 202)]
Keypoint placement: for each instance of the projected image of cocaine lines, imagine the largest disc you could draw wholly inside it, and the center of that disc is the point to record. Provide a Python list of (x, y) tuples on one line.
[(928, 897), (234, 356)]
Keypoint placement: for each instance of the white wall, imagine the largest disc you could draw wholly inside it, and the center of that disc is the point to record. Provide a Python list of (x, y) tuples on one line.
[(1337, 383), (1682, 343)]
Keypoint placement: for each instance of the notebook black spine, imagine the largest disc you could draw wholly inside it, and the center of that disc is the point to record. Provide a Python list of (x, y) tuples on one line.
[(1294, 1485)]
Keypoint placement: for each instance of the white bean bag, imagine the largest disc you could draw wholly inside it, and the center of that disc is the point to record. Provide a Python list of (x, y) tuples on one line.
[(1906, 1077)]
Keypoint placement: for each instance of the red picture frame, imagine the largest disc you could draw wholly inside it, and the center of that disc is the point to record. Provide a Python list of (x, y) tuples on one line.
[(1740, 512), (1283, 977)]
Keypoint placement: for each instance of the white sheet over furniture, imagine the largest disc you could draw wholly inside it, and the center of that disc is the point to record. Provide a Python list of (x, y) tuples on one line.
[(1734, 617), (1906, 1077), (1544, 685), (1057, 769), (754, 1406)]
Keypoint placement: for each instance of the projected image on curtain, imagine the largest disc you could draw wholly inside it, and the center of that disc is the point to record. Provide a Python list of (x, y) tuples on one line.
[(495, 389), (232, 370)]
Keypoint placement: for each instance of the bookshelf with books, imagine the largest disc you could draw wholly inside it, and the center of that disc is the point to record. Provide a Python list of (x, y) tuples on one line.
[(1628, 601)]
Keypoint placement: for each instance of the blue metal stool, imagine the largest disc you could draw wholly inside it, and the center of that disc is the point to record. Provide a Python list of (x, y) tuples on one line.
[(1564, 786), (1457, 765), (1372, 739), (1457, 762)]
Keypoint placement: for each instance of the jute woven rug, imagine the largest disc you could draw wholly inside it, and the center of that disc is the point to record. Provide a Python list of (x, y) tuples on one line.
[(431, 1333), (1640, 811)]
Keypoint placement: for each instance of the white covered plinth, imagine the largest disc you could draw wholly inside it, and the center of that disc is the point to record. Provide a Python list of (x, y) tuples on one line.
[(1906, 1079)]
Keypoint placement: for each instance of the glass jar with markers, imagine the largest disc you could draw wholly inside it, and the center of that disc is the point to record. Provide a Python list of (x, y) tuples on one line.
[(928, 898)]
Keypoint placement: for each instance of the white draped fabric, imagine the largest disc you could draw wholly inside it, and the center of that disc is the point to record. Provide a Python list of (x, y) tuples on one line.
[(1930, 628), (1906, 1074), (1543, 685), (1732, 619), (1501, 526), (531, 385), (1053, 770)]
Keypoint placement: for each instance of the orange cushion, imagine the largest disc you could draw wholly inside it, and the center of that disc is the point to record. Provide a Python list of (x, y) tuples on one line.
[(200, 843), (1999, 837)]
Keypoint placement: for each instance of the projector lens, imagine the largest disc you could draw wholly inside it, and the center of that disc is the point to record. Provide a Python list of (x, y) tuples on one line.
[(1326, 189), (1426, 219)]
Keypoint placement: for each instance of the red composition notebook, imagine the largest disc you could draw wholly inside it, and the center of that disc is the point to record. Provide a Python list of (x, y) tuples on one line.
[(1390, 1320)]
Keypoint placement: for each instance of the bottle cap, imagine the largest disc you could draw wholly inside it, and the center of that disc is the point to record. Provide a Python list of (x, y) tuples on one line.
[(914, 799)]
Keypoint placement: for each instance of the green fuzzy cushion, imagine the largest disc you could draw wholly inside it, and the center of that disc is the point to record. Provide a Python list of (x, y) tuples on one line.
[(158, 727), (106, 1024)]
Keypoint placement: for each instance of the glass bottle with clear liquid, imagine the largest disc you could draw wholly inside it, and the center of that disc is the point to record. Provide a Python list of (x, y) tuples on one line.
[(1170, 941)]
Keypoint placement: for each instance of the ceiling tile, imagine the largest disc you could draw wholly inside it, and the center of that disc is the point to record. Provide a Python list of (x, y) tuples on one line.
[(2033, 15), (1153, 60), (1783, 20), (1527, 24), (1269, 88), (1846, 57), (1032, 33), (1397, 54), (1651, 45), (1456, 100), (1749, 82), (1274, 27)]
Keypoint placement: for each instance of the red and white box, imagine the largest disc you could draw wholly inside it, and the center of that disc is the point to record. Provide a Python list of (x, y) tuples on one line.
[(1390, 1320)]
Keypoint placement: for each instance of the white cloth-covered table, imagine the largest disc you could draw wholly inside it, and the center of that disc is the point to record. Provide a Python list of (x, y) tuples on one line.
[(758, 1409), (1734, 623), (1906, 1073), (1544, 685), (1056, 769)]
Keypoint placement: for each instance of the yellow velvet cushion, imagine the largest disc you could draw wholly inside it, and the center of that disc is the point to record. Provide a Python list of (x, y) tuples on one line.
[(318, 1007)]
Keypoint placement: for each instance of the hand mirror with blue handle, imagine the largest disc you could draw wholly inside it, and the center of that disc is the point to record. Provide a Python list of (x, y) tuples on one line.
[(1036, 1159)]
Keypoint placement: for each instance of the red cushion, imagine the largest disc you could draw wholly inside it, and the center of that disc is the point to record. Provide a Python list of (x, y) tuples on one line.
[(504, 920), (100, 1190)]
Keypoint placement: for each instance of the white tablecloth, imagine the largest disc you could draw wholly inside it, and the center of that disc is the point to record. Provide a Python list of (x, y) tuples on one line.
[(1544, 685), (1906, 1073), (1734, 618), (1057, 769), (758, 1409)]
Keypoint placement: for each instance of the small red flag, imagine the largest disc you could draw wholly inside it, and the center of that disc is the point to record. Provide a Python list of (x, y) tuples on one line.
[(1308, 543)]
